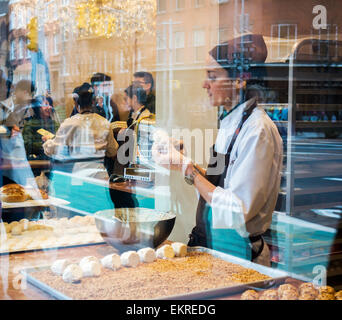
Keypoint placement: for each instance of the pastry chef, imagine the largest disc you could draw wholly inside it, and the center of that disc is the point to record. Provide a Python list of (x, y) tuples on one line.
[(239, 189)]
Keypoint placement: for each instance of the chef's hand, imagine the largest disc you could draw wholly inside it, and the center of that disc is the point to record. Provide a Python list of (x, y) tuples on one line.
[(15, 131), (168, 152), (45, 138), (121, 131)]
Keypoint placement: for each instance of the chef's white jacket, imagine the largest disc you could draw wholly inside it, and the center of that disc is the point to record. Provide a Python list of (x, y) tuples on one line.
[(252, 183)]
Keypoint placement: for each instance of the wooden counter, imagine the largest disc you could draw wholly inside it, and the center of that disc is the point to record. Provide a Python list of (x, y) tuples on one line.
[(14, 287), (133, 187), (19, 165)]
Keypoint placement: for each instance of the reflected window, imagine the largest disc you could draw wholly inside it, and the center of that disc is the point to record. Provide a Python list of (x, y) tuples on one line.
[(199, 3), (284, 36), (161, 48), (12, 50), (179, 47), (180, 5), (161, 6), (21, 49), (199, 45), (28, 52), (55, 43)]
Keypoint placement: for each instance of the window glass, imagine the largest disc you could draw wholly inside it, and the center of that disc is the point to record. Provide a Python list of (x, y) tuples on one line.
[(220, 118)]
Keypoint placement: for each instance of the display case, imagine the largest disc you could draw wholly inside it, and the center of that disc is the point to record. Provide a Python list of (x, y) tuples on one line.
[(305, 232)]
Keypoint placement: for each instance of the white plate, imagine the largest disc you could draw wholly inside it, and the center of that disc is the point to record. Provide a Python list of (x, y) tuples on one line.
[(35, 203)]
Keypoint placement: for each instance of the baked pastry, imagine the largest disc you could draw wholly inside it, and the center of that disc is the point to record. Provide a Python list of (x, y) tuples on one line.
[(326, 290), (250, 295), (338, 295), (289, 294), (306, 285), (271, 294), (13, 193), (325, 296), (308, 293), (286, 287), (306, 296), (24, 223), (17, 230), (34, 194), (44, 194)]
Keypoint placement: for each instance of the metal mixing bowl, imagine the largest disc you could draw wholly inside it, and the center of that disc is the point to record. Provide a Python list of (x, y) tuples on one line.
[(134, 228)]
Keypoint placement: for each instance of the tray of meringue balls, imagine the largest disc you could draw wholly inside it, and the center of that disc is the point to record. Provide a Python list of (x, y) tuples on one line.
[(76, 271)]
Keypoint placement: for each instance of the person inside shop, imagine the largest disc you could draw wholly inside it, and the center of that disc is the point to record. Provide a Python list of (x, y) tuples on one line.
[(135, 97), (75, 108), (239, 189), (102, 87), (99, 108), (14, 114), (83, 140), (43, 118), (15, 110), (145, 80), (121, 113)]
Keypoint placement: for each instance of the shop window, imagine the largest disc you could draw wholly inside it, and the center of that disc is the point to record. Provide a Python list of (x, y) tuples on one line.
[(123, 62), (179, 46), (46, 46), (223, 35), (12, 21), (199, 45), (28, 52), (21, 49), (199, 3), (12, 50), (139, 58), (161, 48), (64, 67), (161, 6), (55, 43), (28, 16), (21, 20), (180, 5), (283, 36)]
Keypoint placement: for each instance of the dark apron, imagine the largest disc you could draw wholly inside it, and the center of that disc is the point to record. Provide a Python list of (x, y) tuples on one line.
[(224, 240)]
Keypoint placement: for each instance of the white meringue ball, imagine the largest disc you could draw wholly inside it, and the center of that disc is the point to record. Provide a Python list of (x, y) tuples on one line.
[(59, 266), (111, 261), (130, 259), (180, 249), (165, 252), (72, 273), (91, 269), (88, 259), (147, 255)]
